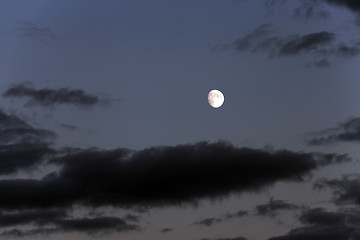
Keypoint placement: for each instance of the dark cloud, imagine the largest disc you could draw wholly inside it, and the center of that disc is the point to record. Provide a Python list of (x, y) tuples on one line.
[(306, 43), (318, 45), (238, 214), (236, 238), (345, 190), (156, 176), (132, 218), (166, 230), (17, 233), (38, 216), (47, 221), (353, 5), (98, 225), (323, 63), (348, 131), (207, 222), (50, 97), (30, 30), (310, 9), (21, 145), (274, 206), (68, 126), (94, 225), (321, 224)]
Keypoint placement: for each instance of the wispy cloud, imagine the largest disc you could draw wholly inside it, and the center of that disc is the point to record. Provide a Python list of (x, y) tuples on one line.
[(322, 224), (49, 97), (274, 206), (347, 131), (30, 30), (318, 45)]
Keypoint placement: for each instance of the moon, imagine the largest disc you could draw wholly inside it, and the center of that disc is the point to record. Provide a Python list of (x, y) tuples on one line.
[(216, 98)]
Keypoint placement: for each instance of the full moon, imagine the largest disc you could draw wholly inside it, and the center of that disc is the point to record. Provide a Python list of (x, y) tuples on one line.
[(215, 98)]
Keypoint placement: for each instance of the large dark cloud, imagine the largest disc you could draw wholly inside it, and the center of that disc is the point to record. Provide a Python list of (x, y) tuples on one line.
[(348, 131), (319, 45), (49, 97), (158, 176), (321, 224), (21, 145), (274, 206), (345, 190)]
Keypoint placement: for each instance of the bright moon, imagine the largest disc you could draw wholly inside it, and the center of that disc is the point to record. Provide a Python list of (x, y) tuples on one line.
[(215, 98)]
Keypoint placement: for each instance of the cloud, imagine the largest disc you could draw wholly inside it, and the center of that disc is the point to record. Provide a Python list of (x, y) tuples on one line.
[(274, 206), (30, 30), (49, 97), (322, 224), (348, 131), (345, 190), (236, 238), (310, 9), (238, 214), (39, 216), (207, 222), (306, 43), (318, 45), (97, 178), (166, 230), (21, 145), (350, 4), (47, 221), (98, 225)]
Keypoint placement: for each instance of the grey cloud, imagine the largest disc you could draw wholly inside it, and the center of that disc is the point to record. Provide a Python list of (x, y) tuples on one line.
[(318, 45), (100, 225), (30, 30), (166, 230), (238, 214), (310, 9), (348, 131), (345, 190), (274, 206), (21, 145), (207, 222), (50, 97), (321, 224)]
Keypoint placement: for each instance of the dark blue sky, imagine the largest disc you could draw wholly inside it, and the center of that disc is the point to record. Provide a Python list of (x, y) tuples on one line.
[(136, 74)]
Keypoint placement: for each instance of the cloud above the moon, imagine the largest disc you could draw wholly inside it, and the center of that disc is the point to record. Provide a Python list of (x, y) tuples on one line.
[(319, 45)]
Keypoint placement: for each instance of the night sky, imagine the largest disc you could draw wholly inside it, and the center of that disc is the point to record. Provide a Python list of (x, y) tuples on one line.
[(106, 131)]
